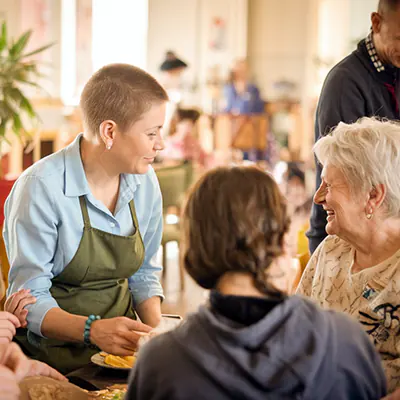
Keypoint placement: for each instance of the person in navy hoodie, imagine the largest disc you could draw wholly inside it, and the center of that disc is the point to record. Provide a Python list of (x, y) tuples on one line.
[(253, 340)]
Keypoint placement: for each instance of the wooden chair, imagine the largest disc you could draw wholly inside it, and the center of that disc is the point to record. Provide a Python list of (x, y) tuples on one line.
[(250, 132), (174, 182), (244, 132), (5, 268), (5, 188)]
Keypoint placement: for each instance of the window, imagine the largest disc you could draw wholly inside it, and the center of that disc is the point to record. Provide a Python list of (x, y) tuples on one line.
[(96, 33)]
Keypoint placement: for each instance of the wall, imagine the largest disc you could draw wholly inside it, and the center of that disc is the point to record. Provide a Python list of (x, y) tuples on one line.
[(173, 25), (9, 11), (360, 15), (185, 27), (278, 41)]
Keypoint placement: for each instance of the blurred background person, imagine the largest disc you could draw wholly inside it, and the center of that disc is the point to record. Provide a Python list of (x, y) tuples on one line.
[(242, 97), (172, 69), (182, 143)]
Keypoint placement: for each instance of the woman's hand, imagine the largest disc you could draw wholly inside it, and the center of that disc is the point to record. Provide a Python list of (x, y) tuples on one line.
[(8, 385), (12, 357), (16, 303), (38, 368), (8, 325), (118, 336)]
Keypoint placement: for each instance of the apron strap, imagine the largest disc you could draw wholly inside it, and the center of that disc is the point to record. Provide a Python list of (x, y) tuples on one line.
[(85, 213), (134, 216)]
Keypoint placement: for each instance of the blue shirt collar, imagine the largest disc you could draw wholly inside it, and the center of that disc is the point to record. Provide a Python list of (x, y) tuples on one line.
[(76, 183)]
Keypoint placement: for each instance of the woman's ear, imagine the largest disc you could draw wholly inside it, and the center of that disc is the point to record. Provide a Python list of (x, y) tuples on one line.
[(375, 198), (107, 130)]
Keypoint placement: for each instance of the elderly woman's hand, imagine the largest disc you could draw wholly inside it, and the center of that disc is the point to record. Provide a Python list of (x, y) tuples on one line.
[(119, 336), (16, 303), (8, 325)]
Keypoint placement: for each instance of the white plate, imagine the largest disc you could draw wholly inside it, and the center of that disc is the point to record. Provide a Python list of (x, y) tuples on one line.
[(98, 359)]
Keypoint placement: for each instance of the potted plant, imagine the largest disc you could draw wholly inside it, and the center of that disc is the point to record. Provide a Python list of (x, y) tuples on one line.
[(18, 70)]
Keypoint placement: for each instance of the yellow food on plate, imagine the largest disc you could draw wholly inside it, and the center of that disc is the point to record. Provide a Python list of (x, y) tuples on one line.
[(120, 362)]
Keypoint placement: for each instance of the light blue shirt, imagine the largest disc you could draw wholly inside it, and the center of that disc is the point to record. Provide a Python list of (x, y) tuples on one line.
[(43, 226)]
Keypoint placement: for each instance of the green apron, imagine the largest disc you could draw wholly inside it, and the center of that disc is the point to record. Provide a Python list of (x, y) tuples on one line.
[(94, 282)]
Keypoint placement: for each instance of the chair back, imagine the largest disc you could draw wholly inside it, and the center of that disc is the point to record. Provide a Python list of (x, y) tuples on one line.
[(174, 182), (250, 132)]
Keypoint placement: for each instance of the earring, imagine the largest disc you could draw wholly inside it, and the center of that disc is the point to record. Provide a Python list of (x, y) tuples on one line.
[(369, 215), (109, 145)]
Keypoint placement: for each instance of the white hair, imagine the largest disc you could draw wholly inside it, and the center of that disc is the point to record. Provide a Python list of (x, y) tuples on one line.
[(368, 154)]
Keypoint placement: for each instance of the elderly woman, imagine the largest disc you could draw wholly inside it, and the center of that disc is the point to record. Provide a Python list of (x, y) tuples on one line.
[(82, 226), (357, 267), (254, 340)]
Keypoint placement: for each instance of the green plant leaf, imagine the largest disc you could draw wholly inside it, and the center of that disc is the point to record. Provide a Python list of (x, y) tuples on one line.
[(17, 125), (26, 82), (16, 71), (3, 130), (27, 107), (8, 109), (14, 94), (20, 44), (3, 37), (39, 50)]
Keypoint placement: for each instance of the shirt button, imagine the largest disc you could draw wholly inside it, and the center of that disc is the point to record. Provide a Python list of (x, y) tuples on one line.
[(112, 224)]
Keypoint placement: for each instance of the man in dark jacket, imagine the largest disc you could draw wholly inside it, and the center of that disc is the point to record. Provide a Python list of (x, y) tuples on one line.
[(364, 84)]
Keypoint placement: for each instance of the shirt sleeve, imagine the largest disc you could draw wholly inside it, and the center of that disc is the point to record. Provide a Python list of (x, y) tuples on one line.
[(145, 283), (30, 236), (229, 97), (341, 100)]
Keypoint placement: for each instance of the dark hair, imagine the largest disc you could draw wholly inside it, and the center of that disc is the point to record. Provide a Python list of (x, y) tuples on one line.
[(386, 6), (187, 113), (234, 220), (295, 171), (181, 114), (121, 93), (172, 62)]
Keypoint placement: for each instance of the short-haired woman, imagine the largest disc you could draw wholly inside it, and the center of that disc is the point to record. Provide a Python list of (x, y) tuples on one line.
[(82, 226)]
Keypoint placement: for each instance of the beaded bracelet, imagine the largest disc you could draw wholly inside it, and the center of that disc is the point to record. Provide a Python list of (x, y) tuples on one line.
[(88, 325)]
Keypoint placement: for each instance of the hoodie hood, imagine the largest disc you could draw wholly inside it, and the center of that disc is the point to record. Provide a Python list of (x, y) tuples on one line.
[(290, 353)]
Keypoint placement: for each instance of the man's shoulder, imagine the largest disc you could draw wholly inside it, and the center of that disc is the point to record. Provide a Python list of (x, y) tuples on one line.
[(350, 68)]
